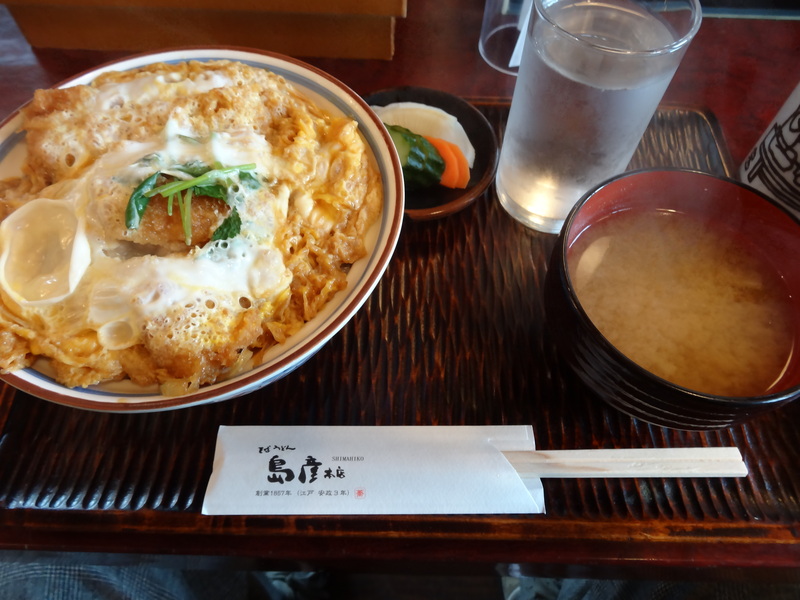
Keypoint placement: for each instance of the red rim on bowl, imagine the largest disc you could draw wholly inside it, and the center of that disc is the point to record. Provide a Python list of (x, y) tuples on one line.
[(768, 230)]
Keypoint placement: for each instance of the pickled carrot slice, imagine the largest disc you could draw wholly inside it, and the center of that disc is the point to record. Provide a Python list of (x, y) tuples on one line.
[(456, 167)]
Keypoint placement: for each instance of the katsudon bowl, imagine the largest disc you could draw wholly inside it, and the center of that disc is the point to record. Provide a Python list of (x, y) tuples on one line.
[(282, 358), (675, 297)]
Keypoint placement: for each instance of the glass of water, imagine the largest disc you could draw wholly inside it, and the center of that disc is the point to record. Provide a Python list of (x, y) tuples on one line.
[(591, 77)]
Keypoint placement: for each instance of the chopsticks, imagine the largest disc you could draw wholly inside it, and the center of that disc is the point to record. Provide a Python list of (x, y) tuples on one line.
[(634, 462)]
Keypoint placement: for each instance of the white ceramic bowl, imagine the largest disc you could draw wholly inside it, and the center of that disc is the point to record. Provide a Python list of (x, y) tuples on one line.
[(284, 358)]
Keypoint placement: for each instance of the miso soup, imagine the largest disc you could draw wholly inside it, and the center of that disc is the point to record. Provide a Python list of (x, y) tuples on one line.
[(684, 301)]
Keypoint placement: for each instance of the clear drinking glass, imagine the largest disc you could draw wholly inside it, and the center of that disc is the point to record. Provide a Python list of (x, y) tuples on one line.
[(502, 33), (591, 77)]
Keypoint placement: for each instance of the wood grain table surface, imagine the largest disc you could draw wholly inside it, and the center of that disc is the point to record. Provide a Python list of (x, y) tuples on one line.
[(454, 334)]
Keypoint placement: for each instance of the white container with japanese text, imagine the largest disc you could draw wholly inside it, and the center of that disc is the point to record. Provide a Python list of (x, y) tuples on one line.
[(773, 165)]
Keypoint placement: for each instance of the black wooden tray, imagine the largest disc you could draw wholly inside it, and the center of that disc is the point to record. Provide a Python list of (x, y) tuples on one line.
[(452, 335)]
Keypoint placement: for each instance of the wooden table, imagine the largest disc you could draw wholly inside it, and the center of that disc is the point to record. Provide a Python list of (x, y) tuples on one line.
[(454, 334)]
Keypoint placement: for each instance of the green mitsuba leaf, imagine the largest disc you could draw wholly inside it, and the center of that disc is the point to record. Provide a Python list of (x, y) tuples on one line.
[(138, 201), (213, 182), (229, 228)]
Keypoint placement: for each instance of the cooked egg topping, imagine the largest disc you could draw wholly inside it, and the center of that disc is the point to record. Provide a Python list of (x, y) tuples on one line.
[(160, 87), (43, 258), (45, 251), (107, 272)]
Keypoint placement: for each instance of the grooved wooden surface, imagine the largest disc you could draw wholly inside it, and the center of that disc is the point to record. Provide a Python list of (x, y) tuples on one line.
[(454, 334)]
